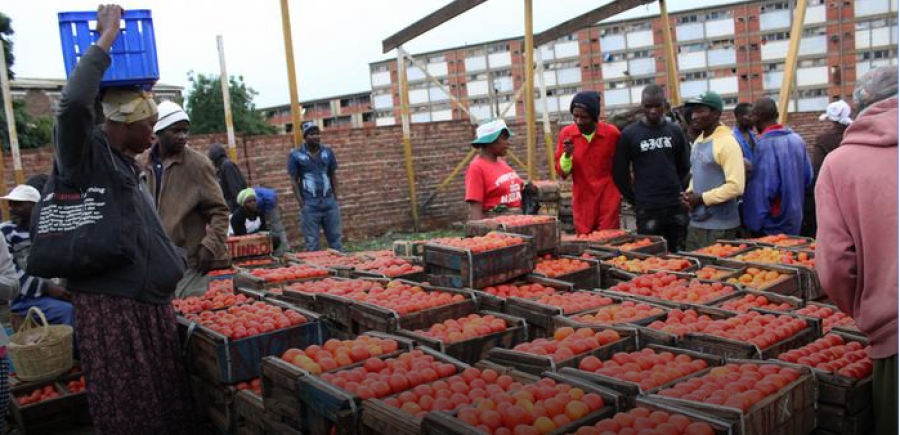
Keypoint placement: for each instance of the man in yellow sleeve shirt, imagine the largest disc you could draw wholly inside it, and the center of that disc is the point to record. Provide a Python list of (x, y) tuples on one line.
[(717, 168)]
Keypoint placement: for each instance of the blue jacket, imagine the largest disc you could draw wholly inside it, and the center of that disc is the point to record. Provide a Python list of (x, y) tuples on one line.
[(266, 199), (773, 199), (745, 147)]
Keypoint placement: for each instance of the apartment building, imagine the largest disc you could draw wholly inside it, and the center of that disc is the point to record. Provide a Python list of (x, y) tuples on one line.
[(737, 50), (333, 113)]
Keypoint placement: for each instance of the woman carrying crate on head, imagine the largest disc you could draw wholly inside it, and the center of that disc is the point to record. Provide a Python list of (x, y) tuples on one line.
[(128, 338), (492, 186)]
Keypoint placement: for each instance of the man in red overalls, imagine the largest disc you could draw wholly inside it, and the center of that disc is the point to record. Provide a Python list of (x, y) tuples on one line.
[(585, 150)]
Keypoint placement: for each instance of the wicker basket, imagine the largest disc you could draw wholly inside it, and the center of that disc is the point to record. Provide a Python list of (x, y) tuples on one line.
[(40, 350)]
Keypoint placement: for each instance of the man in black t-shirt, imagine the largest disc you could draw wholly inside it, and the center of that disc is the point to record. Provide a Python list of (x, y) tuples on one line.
[(651, 169)]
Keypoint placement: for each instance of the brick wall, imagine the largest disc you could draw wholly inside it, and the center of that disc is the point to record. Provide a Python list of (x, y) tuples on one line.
[(372, 182)]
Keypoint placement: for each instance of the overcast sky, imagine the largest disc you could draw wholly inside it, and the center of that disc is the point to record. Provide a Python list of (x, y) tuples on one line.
[(334, 41)]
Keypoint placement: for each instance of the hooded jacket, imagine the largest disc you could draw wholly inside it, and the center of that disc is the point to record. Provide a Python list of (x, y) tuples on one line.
[(773, 199), (856, 203), (231, 180)]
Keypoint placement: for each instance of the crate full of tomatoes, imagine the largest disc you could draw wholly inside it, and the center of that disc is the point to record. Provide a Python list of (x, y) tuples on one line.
[(275, 278), (544, 230), (478, 262), (226, 346), (250, 245), (43, 407)]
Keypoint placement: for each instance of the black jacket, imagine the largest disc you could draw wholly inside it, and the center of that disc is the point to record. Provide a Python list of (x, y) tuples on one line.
[(80, 149), (230, 177), (660, 160), (239, 222)]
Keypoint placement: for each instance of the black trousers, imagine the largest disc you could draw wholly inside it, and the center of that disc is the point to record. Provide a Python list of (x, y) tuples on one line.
[(669, 222)]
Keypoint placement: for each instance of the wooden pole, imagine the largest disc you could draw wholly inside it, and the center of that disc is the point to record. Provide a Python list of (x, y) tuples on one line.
[(671, 59), (407, 144), (462, 163), (10, 124), (545, 117), (790, 62), (296, 116), (226, 99), (529, 88)]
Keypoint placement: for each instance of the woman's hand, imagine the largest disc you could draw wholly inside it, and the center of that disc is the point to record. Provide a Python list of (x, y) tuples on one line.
[(108, 19)]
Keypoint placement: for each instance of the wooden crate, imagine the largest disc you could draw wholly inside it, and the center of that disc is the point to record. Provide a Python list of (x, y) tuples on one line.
[(490, 302), (215, 403), (720, 427), (220, 359), (647, 335), (379, 418), (835, 420), (802, 242), (250, 413), (480, 269), (658, 245), (332, 307), (851, 395), (367, 317), (281, 383), (795, 303), (844, 330), (560, 321), (810, 287), (332, 410), (709, 260), (606, 263), (540, 317), (445, 423), (275, 425), (45, 417), (631, 390), (587, 279), (475, 349), (738, 349), (82, 411), (569, 244), (676, 304), (246, 280), (250, 245), (789, 411), (538, 364), (789, 285), (260, 262), (544, 235), (414, 276)]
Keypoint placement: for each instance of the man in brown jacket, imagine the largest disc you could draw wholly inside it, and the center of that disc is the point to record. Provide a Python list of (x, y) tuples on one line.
[(188, 198)]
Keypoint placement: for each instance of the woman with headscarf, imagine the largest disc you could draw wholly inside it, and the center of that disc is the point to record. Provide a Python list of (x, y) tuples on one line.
[(837, 115), (126, 328), (585, 151), (492, 186)]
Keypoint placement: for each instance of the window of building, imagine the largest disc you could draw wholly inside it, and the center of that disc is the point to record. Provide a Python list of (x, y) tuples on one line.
[(871, 24), (777, 36), (497, 48), (877, 54), (437, 58), (687, 19), (616, 85), (614, 30), (639, 54), (643, 25), (719, 15), (698, 75), (814, 31), (643, 82), (692, 48), (723, 44), (368, 117), (811, 93), (806, 63), (381, 67), (472, 52), (383, 114), (479, 76), (773, 67), (561, 65), (775, 6)]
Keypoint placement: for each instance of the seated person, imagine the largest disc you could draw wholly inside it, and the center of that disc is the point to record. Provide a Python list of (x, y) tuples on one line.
[(247, 218), (52, 299)]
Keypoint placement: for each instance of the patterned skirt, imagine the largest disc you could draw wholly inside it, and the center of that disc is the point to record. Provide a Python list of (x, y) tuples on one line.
[(135, 378)]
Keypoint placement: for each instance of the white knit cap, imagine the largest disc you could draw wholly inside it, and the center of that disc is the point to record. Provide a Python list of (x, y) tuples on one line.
[(169, 113), (838, 111)]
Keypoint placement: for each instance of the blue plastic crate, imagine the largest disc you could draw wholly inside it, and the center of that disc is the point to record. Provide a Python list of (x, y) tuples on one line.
[(133, 54)]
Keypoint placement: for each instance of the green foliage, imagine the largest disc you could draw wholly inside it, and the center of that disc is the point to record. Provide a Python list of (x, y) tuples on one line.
[(6, 31), (33, 132), (205, 107)]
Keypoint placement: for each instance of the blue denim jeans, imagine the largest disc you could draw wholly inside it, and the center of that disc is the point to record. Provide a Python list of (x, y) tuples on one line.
[(325, 214)]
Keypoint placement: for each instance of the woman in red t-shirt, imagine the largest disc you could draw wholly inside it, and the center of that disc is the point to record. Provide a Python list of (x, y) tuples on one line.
[(491, 185)]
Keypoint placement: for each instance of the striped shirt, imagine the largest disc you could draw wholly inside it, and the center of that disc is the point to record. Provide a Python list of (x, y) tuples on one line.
[(19, 242)]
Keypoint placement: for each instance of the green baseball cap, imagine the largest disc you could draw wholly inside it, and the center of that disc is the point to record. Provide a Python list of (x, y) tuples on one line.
[(708, 99)]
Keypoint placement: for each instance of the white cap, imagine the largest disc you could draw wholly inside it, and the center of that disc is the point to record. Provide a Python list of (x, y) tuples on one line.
[(23, 193), (169, 113), (838, 111)]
